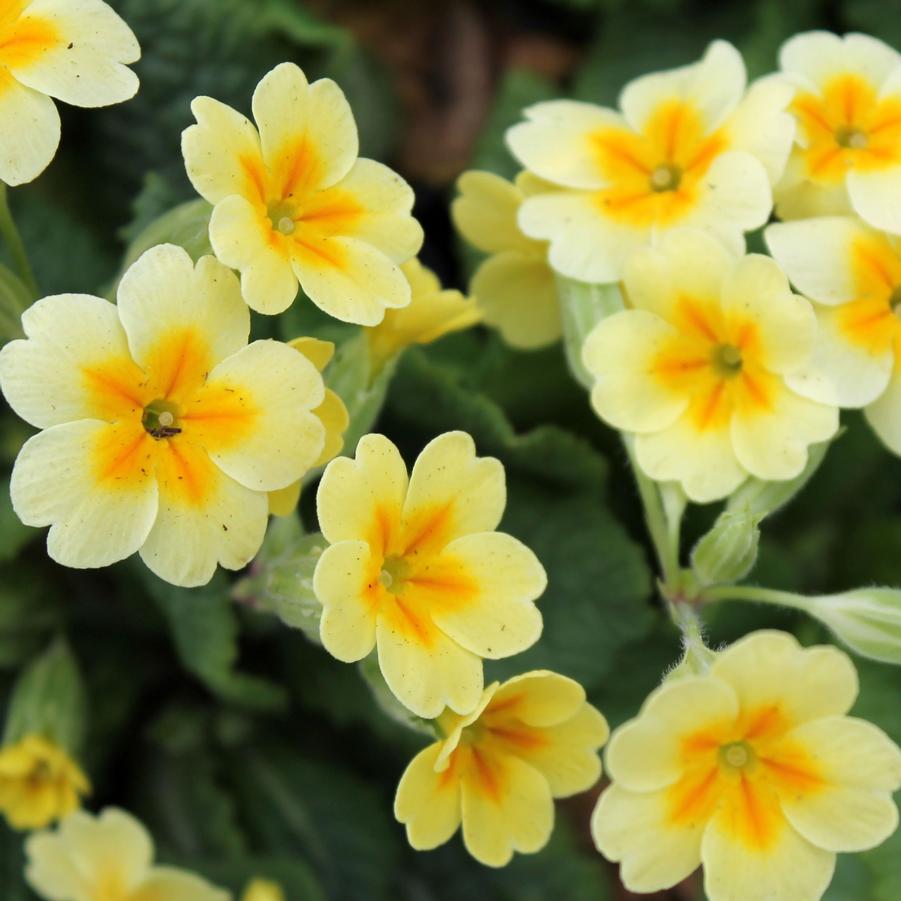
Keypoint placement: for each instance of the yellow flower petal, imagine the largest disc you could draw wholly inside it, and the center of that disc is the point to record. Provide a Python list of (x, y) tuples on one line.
[(30, 129), (621, 354), (762, 125), (263, 890), (83, 56), (485, 213), (164, 294), (585, 244), (423, 667), (431, 314), (254, 415), (428, 802), (517, 293), (335, 419), (357, 283), (816, 254), (507, 807), (768, 668), (222, 152), (93, 484), (647, 865), (772, 443), (241, 238), (205, 518), (283, 502), (318, 352), (566, 754), (684, 263), (168, 884), (713, 86), (452, 493), (646, 753), (497, 619), (308, 132), (884, 414), (383, 202), (861, 767), (555, 142), (816, 56), (874, 197), (75, 343), (787, 867), (347, 626), (702, 460), (357, 496), (540, 698)]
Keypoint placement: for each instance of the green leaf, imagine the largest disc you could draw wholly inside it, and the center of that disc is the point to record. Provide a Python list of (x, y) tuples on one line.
[(296, 879), (29, 610), (15, 299), (204, 627), (49, 699), (185, 801), (12, 866), (337, 821), (13, 534)]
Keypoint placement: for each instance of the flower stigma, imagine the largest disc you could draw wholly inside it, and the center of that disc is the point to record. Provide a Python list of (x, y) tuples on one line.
[(851, 137), (666, 177)]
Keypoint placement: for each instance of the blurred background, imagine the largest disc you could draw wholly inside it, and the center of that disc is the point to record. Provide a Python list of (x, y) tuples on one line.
[(241, 744)]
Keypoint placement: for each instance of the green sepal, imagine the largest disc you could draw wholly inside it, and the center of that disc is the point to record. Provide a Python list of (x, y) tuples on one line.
[(15, 298), (281, 576), (583, 306), (728, 552), (387, 702)]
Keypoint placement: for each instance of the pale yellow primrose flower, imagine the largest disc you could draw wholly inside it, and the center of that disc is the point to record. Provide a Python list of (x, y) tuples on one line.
[(331, 413), (433, 312), (690, 148), (162, 428), (848, 143), (515, 287), (416, 567), (531, 739), (753, 771), (293, 203), (108, 857), (263, 890), (73, 50), (39, 783), (697, 368), (853, 274)]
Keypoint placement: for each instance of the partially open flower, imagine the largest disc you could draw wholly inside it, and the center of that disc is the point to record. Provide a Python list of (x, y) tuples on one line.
[(39, 783), (497, 770), (515, 287)]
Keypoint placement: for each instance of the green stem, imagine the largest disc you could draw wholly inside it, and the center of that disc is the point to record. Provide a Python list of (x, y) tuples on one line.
[(757, 594), (664, 530), (697, 655), (14, 242)]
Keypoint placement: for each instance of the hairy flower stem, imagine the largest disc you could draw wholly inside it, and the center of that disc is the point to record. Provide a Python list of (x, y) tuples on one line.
[(14, 242), (754, 593)]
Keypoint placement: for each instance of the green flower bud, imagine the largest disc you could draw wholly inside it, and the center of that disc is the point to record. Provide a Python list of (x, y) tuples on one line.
[(867, 620), (728, 552), (281, 576)]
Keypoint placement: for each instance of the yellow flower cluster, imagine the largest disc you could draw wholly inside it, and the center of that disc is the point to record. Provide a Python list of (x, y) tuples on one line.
[(164, 431)]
